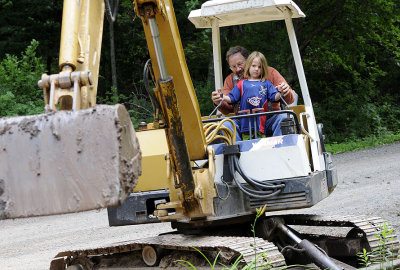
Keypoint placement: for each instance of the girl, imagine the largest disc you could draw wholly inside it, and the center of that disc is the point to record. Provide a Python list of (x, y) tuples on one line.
[(254, 92)]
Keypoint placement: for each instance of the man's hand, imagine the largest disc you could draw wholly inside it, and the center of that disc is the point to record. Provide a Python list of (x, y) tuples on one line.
[(216, 96), (283, 88)]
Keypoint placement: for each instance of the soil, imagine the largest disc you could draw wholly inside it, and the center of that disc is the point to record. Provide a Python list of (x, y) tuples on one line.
[(369, 184)]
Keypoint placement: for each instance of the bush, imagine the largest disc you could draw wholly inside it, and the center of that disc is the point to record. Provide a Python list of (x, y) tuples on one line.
[(19, 93)]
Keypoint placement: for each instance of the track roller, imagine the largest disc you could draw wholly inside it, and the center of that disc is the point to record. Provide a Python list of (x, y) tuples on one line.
[(75, 267), (151, 256)]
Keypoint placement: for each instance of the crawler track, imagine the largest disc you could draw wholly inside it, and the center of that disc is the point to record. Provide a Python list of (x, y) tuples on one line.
[(235, 246), (362, 234)]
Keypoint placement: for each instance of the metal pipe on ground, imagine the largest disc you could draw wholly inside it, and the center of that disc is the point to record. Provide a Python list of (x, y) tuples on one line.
[(318, 257)]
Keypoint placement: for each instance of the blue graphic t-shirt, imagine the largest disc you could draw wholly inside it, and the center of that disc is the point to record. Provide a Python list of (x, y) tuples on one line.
[(251, 95)]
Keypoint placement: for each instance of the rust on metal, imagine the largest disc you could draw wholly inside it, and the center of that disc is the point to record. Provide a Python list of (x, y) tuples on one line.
[(176, 138)]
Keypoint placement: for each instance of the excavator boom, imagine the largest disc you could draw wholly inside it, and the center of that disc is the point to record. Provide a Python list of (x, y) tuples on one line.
[(162, 35)]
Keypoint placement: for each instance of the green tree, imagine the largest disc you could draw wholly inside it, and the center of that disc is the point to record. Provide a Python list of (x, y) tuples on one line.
[(350, 51), (24, 20), (350, 57)]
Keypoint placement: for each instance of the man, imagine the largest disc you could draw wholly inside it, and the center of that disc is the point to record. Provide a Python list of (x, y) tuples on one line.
[(236, 58)]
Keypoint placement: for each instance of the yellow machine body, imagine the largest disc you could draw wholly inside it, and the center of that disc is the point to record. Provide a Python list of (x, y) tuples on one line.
[(154, 149)]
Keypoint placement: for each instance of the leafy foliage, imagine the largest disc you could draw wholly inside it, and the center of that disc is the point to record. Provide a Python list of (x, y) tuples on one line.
[(382, 255), (203, 93), (22, 20), (345, 63), (19, 94), (239, 263)]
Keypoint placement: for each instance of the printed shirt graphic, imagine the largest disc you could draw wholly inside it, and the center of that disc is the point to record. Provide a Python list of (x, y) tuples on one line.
[(251, 95)]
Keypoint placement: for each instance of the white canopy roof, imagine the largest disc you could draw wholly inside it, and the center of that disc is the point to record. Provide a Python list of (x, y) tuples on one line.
[(234, 12)]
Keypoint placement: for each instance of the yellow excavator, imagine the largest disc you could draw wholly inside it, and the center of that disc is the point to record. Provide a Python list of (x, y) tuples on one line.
[(80, 156)]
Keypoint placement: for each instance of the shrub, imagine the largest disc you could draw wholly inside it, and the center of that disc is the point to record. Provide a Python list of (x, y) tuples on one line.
[(19, 93)]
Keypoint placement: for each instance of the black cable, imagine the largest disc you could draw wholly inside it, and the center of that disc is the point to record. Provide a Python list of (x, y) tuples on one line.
[(255, 182), (251, 194), (264, 194), (248, 179), (259, 190), (148, 69), (248, 191)]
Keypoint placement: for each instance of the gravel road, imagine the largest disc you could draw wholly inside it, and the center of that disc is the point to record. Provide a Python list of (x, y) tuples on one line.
[(369, 184)]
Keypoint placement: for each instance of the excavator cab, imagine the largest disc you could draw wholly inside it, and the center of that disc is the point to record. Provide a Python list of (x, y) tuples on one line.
[(301, 119), (284, 172)]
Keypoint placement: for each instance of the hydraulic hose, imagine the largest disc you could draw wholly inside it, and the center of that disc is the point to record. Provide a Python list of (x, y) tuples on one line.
[(254, 181), (256, 189), (146, 71)]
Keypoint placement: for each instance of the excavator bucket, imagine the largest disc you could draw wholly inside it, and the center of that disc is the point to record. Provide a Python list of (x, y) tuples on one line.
[(67, 161)]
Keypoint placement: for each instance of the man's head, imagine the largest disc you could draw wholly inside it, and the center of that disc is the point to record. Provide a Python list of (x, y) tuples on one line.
[(236, 57)]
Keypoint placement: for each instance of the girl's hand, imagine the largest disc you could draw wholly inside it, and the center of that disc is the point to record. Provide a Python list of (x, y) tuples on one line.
[(226, 98), (278, 96)]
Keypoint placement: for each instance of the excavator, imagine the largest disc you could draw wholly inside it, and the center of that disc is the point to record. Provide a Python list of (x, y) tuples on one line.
[(181, 168)]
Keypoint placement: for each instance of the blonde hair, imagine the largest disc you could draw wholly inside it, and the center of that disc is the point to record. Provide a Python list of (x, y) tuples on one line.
[(264, 65)]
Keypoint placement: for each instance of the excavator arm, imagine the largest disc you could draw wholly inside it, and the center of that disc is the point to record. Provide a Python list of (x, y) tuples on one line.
[(162, 35), (191, 191)]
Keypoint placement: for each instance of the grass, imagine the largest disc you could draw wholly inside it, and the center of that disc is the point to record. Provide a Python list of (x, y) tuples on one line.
[(239, 263), (358, 144), (239, 260), (382, 255)]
